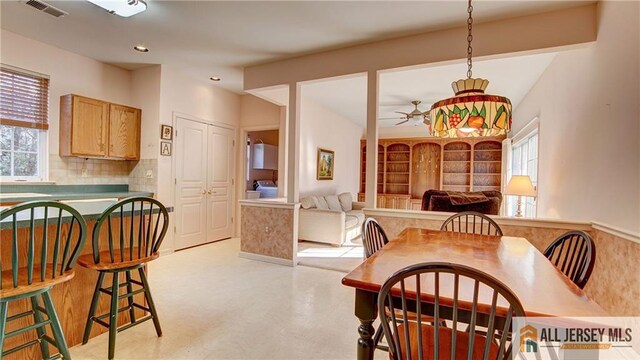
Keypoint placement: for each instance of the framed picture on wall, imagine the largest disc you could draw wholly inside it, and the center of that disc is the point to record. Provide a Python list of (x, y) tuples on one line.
[(326, 159), (166, 132), (165, 148)]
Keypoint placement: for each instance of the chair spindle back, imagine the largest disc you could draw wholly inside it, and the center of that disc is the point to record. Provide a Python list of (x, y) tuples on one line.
[(573, 253), (373, 236), (141, 224), (471, 222), (402, 292), (49, 250)]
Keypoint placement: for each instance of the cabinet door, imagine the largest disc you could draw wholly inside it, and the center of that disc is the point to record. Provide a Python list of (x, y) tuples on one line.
[(390, 202), (381, 201), (416, 204), (89, 127), (401, 202), (124, 132)]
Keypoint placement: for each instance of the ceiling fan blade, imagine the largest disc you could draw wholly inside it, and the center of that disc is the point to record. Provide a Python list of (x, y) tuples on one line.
[(402, 122), (403, 113), (392, 118)]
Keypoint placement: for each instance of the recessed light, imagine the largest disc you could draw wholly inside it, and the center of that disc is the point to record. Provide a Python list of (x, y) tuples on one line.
[(214, 78), (141, 48)]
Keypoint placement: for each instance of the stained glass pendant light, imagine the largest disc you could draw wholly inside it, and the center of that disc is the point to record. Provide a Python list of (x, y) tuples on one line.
[(471, 112)]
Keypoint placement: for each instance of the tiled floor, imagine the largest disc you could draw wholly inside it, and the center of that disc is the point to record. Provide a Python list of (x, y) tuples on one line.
[(324, 256), (214, 305)]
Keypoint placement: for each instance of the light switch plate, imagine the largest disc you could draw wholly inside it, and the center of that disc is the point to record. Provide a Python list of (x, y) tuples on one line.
[(149, 174)]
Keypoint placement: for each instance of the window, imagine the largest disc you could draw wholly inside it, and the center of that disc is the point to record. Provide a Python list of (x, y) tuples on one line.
[(24, 119), (524, 161)]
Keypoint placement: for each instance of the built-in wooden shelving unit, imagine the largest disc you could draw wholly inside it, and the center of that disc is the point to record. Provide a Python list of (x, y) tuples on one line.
[(408, 167)]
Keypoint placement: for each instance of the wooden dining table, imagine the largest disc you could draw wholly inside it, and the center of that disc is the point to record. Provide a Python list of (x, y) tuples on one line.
[(541, 288)]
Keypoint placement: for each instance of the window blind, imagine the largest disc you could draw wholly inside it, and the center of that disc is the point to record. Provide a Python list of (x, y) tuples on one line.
[(24, 99)]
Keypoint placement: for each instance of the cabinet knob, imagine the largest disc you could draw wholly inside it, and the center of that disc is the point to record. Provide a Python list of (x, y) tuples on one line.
[(204, 192)]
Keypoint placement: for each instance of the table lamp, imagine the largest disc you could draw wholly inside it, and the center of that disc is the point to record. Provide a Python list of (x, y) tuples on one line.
[(520, 185)]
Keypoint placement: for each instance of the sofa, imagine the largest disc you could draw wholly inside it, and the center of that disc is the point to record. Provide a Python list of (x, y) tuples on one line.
[(330, 219), (485, 202)]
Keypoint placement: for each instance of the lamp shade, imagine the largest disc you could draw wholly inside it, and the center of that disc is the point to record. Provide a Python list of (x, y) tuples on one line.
[(471, 112), (520, 185)]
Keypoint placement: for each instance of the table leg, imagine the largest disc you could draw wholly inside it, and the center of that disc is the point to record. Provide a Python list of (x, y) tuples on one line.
[(366, 311)]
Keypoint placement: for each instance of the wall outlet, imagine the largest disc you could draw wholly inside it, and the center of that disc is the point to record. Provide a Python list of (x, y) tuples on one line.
[(149, 174), (84, 172)]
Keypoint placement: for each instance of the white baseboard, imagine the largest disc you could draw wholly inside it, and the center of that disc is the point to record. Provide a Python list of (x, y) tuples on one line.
[(265, 258)]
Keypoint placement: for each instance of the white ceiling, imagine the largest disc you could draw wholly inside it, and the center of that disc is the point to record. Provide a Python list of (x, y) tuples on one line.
[(512, 77), (207, 38)]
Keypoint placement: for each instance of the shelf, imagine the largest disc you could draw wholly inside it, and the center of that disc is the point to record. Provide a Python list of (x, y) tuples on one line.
[(487, 161), (455, 173), (445, 150), (487, 150), (397, 173), (458, 161), (398, 162), (481, 173), (398, 184)]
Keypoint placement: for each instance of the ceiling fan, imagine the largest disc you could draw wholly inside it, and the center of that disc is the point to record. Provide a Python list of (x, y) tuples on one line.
[(416, 116)]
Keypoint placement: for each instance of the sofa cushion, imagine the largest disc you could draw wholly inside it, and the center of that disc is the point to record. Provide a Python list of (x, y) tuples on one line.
[(346, 201), (333, 202), (321, 203), (307, 203)]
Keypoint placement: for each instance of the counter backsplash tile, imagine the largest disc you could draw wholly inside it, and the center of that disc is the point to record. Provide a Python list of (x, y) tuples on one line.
[(68, 171), (138, 180)]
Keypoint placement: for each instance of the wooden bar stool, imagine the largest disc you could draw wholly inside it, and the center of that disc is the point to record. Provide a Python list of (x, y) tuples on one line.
[(38, 263), (135, 228)]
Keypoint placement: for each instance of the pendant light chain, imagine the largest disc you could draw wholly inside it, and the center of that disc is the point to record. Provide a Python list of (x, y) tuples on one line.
[(469, 39)]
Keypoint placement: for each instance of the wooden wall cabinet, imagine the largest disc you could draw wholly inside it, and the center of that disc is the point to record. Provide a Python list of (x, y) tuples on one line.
[(98, 129), (408, 167), (124, 132)]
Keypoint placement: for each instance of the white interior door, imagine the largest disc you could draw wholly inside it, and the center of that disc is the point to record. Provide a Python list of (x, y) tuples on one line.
[(191, 183), (219, 190)]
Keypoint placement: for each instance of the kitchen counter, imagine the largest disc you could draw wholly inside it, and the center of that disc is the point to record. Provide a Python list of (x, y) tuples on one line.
[(71, 299), (14, 194), (89, 209)]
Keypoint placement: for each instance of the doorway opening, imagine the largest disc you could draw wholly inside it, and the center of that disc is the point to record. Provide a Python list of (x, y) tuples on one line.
[(262, 164)]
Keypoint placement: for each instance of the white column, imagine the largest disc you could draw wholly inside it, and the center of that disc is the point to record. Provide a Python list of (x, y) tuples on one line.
[(293, 144), (372, 139)]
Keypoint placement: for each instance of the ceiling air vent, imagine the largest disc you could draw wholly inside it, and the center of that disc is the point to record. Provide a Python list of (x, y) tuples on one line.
[(43, 6)]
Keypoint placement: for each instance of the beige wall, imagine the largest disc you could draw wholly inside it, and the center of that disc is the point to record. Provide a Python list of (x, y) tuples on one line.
[(500, 37), (402, 132), (587, 103), (71, 73), (145, 94), (256, 112), (198, 99), (322, 128)]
